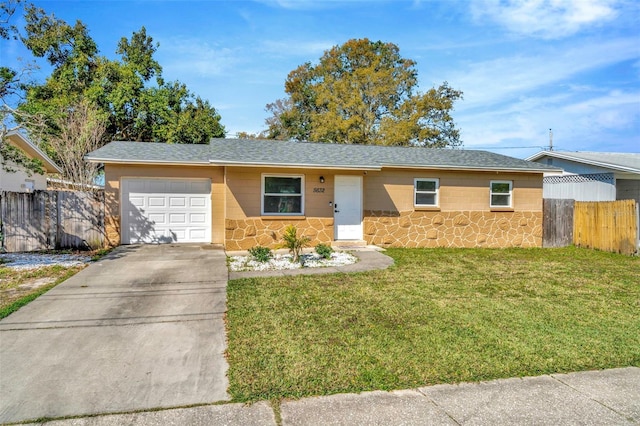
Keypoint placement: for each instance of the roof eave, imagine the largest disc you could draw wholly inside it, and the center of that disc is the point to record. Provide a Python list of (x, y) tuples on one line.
[(582, 160), (29, 147), (472, 168), (146, 162), (295, 166)]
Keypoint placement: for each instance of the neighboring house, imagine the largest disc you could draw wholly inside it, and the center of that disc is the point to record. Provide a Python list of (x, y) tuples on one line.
[(242, 193), (591, 176), (21, 180)]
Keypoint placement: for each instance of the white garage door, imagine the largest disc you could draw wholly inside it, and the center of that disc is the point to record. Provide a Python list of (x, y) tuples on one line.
[(166, 211)]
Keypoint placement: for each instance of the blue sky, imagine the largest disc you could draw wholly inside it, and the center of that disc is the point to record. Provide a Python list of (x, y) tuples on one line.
[(524, 65)]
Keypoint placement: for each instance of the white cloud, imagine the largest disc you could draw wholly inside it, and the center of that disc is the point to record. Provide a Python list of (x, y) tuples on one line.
[(307, 4), (487, 82), (190, 56), (308, 49), (592, 122), (547, 19)]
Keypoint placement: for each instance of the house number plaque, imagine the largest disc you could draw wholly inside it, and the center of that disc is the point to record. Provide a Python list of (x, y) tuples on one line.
[(318, 190)]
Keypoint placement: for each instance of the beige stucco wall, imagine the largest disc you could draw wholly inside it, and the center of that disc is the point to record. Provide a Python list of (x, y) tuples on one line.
[(245, 227), (115, 172), (462, 219), (15, 181)]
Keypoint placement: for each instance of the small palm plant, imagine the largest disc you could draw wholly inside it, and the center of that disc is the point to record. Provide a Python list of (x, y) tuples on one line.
[(293, 243)]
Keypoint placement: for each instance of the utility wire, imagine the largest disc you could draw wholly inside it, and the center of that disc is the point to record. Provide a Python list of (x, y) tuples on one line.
[(508, 147)]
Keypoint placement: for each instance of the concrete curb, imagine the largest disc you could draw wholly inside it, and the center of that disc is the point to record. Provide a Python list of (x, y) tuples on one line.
[(604, 397)]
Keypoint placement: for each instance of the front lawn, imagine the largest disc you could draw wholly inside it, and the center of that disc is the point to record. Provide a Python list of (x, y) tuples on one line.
[(436, 316), (19, 286)]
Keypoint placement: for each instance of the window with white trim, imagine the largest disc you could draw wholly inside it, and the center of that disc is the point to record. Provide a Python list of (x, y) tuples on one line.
[(425, 192), (501, 193), (282, 195)]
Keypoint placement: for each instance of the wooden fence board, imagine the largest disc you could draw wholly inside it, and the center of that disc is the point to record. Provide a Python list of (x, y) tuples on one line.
[(557, 222), (44, 220), (609, 226)]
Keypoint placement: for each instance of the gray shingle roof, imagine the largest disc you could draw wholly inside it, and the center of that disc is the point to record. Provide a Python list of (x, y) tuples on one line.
[(306, 154), (624, 161)]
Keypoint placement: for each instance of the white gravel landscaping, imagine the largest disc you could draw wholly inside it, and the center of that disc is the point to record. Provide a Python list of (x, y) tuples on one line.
[(24, 261), (283, 261)]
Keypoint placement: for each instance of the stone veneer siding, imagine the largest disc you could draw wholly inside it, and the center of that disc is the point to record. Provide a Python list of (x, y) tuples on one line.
[(453, 229), (112, 230), (401, 229), (242, 234)]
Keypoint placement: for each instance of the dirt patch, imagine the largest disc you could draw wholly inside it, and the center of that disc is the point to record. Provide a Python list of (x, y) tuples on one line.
[(9, 295)]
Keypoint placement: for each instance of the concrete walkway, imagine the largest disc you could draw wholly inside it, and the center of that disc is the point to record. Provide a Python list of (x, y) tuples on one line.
[(606, 397), (368, 259), (140, 329)]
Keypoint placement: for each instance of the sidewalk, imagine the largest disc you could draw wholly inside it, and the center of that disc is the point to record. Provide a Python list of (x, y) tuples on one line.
[(605, 397)]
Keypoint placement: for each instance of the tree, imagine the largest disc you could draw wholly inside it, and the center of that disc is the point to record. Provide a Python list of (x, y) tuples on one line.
[(11, 81), (248, 135), (123, 90), (82, 128), (364, 92)]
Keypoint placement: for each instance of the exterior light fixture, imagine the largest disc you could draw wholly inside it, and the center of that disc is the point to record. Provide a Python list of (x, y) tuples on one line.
[(321, 179)]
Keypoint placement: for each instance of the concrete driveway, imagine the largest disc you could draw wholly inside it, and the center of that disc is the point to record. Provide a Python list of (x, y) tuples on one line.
[(140, 329)]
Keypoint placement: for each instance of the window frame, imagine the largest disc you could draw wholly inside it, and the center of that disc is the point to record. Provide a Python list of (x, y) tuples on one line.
[(263, 194), (436, 193), (510, 194)]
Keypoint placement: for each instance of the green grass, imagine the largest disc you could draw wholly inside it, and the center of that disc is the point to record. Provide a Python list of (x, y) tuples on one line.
[(12, 279), (437, 316)]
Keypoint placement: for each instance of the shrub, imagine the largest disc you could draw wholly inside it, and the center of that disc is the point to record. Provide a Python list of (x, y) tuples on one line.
[(261, 254), (293, 243), (324, 251)]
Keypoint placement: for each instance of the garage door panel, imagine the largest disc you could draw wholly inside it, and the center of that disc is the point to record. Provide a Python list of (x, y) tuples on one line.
[(178, 219), (179, 186), (156, 201), (177, 201), (138, 186), (166, 210), (137, 201), (197, 202), (156, 187), (199, 187), (197, 218), (158, 218), (197, 233)]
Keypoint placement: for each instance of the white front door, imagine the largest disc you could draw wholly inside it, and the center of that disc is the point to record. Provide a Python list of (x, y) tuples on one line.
[(166, 210), (347, 208)]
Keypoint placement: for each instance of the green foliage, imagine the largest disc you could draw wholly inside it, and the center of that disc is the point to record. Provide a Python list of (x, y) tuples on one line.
[(261, 254), (294, 243), (364, 92), (12, 158), (8, 78), (132, 104), (324, 251)]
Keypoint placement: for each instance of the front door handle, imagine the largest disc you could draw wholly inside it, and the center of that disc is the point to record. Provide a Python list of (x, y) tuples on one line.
[(336, 211)]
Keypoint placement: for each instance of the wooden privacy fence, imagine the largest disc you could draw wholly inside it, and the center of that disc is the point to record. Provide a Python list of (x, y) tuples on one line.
[(607, 225), (51, 219), (610, 226), (557, 222)]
